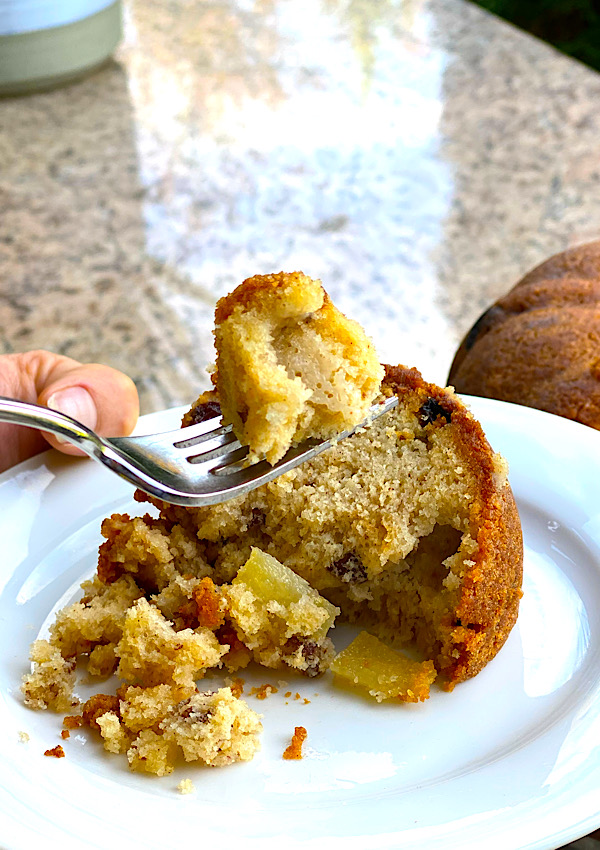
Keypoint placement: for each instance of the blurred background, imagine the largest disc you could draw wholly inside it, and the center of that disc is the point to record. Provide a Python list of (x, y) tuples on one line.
[(418, 156), (572, 26)]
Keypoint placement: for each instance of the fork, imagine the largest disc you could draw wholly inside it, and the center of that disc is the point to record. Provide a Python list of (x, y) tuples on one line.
[(202, 464)]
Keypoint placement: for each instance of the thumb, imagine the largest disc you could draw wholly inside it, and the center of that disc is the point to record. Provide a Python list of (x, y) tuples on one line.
[(97, 396), (75, 402), (100, 397)]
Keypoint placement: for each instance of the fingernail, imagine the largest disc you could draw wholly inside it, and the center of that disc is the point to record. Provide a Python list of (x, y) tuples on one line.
[(77, 403)]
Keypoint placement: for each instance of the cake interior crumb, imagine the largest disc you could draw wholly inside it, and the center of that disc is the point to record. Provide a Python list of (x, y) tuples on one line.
[(186, 786)]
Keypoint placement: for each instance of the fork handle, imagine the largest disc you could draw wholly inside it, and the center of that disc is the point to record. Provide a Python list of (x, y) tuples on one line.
[(45, 419)]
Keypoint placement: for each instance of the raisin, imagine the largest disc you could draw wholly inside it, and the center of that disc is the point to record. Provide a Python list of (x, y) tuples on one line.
[(432, 410), (257, 518), (189, 711), (473, 627), (227, 635), (349, 569), (311, 652), (202, 412)]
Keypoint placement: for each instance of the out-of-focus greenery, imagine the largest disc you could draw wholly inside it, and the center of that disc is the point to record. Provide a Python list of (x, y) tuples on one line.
[(572, 26)]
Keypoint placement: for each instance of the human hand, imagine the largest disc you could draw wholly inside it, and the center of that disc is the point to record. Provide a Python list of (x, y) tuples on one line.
[(98, 396)]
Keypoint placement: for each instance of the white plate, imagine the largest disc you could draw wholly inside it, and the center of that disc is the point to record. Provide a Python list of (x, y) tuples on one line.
[(507, 760)]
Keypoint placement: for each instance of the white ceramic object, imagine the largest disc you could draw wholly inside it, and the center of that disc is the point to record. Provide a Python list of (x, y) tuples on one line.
[(47, 43), (507, 760), (18, 16)]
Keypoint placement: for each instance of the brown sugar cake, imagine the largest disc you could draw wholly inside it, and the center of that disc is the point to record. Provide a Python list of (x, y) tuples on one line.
[(539, 345), (289, 364), (154, 728), (50, 684), (279, 616), (409, 527)]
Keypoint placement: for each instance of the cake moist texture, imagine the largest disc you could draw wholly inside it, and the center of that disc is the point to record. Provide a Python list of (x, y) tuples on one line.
[(409, 527), (161, 638), (289, 364)]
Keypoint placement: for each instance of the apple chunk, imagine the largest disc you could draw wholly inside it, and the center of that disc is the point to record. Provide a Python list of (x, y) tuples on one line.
[(370, 665)]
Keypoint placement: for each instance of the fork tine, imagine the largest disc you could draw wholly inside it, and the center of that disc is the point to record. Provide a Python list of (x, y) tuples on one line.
[(234, 460), (196, 434), (224, 444), (210, 471), (158, 463)]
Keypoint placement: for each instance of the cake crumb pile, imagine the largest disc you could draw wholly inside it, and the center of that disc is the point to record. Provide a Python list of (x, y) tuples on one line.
[(158, 717)]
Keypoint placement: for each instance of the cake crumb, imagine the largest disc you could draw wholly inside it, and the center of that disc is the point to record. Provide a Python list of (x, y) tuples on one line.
[(23, 737), (306, 701), (73, 721), (57, 752), (237, 687), (287, 694), (186, 786), (65, 734), (297, 695), (263, 692), (294, 751)]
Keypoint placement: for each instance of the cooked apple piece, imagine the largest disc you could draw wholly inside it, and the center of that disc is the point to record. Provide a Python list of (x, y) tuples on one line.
[(270, 581), (369, 664)]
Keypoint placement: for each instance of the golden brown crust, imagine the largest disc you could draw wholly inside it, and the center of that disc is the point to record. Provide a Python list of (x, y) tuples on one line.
[(265, 286), (96, 706), (294, 750), (489, 602), (539, 344), (56, 752)]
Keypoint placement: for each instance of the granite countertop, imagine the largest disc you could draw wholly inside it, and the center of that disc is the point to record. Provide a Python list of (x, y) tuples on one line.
[(417, 156)]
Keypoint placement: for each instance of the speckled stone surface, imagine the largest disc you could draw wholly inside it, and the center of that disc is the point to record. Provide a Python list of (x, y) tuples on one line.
[(417, 155)]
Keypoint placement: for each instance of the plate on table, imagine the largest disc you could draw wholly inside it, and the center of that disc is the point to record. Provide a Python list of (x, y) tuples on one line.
[(510, 759)]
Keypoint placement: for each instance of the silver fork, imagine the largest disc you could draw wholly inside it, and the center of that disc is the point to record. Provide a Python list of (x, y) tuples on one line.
[(202, 464)]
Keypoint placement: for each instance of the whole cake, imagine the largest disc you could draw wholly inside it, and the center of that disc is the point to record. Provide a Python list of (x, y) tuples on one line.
[(539, 345)]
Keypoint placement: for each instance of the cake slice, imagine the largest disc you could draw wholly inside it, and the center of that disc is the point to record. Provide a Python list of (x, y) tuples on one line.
[(289, 364), (409, 527)]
